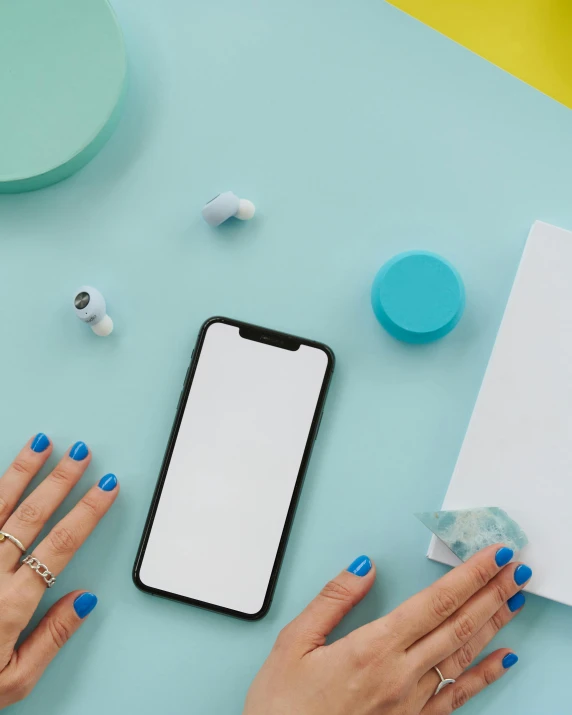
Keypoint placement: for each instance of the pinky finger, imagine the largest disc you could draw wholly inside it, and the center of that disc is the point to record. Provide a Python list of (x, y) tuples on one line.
[(471, 683), (54, 630)]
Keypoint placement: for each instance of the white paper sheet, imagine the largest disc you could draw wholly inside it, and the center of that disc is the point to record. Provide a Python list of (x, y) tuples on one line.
[(517, 453)]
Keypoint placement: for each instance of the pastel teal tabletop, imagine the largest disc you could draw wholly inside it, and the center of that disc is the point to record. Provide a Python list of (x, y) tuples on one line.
[(358, 133)]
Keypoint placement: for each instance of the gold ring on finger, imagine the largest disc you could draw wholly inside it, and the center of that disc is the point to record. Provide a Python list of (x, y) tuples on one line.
[(5, 535)]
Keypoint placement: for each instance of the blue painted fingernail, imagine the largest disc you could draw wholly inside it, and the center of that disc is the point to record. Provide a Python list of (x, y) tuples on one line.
[(40, 443), (360, 567), (79, 451), (509, 660), (503, 556), (515, 602), (522, 574), (108, 482), (84, 604)]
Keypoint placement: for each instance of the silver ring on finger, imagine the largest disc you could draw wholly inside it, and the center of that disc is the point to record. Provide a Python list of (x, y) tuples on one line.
[(41, 569), (5, 535), (444, 681)]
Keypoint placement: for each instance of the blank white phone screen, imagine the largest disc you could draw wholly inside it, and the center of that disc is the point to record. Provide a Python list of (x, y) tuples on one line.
[(233, 470)]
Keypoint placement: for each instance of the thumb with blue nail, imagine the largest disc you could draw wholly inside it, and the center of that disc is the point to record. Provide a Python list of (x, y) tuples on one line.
[(54, 630)]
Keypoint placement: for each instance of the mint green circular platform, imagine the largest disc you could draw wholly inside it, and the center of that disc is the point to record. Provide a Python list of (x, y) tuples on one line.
[(62, 76)]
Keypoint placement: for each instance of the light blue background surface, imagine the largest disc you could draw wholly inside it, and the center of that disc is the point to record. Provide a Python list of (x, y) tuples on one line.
[(358, 133)]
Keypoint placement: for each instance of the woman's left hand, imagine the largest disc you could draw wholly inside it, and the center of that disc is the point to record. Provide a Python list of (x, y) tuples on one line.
[(21, 585)]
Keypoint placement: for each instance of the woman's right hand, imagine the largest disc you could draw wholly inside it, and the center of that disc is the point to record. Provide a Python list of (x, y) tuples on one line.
[(388, 667)]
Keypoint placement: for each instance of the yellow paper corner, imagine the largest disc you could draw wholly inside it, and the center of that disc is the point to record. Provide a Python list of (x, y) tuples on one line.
[(531, 39)]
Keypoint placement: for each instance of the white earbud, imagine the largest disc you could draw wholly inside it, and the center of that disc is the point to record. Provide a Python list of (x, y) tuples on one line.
[(226, 205), (90, 307)]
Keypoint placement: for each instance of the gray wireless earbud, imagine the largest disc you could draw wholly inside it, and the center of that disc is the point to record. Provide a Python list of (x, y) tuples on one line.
[(226, 205), (90, 307)]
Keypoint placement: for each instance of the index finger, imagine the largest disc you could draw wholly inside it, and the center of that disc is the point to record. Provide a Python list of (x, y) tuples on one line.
[(60, 545), (422, 613)]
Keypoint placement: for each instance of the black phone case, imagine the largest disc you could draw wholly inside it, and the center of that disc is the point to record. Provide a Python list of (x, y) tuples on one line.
[(272, 337)]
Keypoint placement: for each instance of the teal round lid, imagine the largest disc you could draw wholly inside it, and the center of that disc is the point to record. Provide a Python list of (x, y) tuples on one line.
[(62, 74), (418, 297)]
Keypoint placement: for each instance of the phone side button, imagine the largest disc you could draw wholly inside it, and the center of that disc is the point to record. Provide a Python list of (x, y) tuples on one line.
[(318, 427)]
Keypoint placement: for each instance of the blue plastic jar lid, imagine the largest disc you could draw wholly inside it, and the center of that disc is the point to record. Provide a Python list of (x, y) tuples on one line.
[(418, 297)]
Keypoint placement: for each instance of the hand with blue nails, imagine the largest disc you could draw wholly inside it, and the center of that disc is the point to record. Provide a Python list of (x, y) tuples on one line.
[(390, 666), (23, 581)]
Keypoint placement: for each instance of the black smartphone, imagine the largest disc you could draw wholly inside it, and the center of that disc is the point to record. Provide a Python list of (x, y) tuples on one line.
[(248, 415)]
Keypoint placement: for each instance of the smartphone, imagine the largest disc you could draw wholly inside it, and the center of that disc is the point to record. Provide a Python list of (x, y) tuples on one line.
[(248, 415)]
